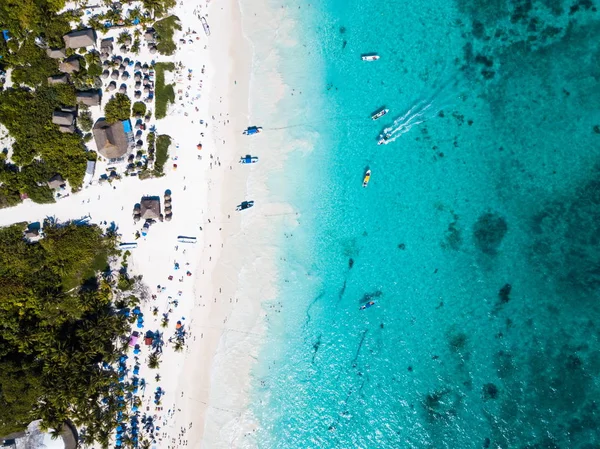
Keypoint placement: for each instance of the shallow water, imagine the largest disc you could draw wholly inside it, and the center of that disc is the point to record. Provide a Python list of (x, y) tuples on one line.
[(477, 236)]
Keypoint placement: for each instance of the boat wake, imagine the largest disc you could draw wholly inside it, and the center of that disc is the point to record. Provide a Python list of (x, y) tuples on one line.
[(419, 113)]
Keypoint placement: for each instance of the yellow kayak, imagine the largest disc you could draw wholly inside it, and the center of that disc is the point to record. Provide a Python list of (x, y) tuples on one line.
[(367, 178)]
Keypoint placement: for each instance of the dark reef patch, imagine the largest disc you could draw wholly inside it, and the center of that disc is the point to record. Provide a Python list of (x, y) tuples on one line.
[(488, 232), (566, 241), (453, 237), (504, 293), (489, 392)]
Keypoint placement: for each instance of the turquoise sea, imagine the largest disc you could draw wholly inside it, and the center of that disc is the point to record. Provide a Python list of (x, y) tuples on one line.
[(478, 236)]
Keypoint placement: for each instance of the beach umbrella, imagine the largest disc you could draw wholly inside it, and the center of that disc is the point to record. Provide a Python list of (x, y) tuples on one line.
[(138, 85), (105, 74), (111, 86), (138, 65), (137, 76), (123, 88), (118, 59), (115, 75), (125, 76), (145, 68), (147, 119), (168, 209), (137, 94), (168, 217), (152, 50), (123, 48), (146, 89)]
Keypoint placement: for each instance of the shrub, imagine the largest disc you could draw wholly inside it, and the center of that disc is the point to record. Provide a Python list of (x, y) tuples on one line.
[(117, 108), (85, 121), (165, 32), (139, 107), (162, 153), (165, 93)]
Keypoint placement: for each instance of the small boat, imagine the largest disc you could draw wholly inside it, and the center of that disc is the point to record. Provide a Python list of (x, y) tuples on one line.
[(383, 139), (244, 205), (370, 57), (379, 114), (248, 159), (252, 130), (367, 178), (367, 305)]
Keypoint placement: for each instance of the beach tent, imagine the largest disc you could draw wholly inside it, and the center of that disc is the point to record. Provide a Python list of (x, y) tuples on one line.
[(133, 339), (186, 239)]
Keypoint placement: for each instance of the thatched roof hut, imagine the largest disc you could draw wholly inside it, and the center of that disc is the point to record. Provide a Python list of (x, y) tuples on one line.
[(150, 207)]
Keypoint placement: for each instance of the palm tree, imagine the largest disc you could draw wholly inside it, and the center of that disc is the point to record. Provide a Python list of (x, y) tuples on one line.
[(153, 361)]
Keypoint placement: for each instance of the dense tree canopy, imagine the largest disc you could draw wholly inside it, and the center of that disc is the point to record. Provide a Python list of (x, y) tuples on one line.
[(28, 117), (57, 326), (117, 108)]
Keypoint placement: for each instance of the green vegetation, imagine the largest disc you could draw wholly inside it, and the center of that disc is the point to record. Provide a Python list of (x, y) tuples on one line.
[(135, 48), (40, 150), (28, 117), (123, 37), (139, 107), (165, 93), (162, 153), (58, 326), (158, 7), (165, 30), (117, 108), (85, 120)]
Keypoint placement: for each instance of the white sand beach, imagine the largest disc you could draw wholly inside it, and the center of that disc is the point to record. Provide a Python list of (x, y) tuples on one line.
[(206, 386)]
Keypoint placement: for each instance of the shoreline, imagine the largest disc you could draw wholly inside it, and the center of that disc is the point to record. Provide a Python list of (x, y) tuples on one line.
[(206, 388)]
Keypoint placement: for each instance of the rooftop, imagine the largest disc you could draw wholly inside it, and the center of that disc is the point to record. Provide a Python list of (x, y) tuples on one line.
[(80, 38), (150, 208), (89, 97), (111, 140), (63, 118)]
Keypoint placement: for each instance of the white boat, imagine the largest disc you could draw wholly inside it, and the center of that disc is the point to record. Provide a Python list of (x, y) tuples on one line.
[(370, 57), (383, 139), (379, 114), (205, 25)]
